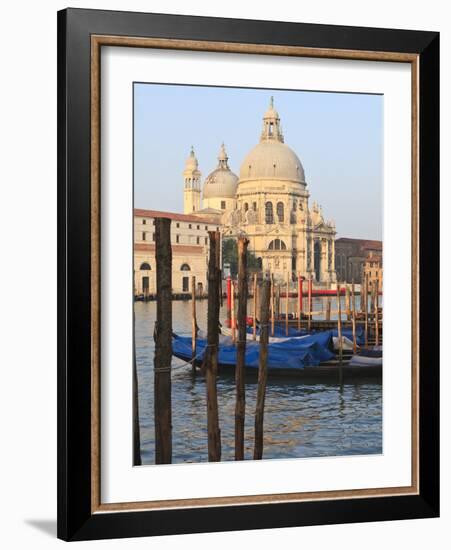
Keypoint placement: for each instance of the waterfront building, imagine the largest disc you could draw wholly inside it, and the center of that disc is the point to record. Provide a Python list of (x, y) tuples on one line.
[(269, 204), (351, 255), (373, 270), (189, 239)]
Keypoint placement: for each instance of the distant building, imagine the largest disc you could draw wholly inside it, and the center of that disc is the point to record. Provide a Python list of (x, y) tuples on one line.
[(189, 238), (351, 256), (269, 204), (373, 270)]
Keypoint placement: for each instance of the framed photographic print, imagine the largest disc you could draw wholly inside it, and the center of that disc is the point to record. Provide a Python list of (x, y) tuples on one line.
[(248, 274)]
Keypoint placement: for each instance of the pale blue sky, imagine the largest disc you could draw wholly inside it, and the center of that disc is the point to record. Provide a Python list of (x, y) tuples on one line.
[(338, 138)]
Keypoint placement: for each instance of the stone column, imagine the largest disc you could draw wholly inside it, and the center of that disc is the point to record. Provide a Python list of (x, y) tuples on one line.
[(333, 260), (312, 256), (324, 261), (327, 257)]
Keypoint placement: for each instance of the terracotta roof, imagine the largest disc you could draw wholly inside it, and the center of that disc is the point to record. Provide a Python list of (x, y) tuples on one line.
[(173, 216), (373, 257), (176, 248), (364, 243)]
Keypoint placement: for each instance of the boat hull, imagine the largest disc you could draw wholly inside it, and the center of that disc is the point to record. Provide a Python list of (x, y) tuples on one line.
[(328, 371)]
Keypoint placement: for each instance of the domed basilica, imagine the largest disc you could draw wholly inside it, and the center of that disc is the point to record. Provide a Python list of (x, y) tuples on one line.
[(269, 204)]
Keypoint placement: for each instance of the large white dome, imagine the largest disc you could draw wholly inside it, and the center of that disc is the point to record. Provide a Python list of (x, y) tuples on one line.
[(272, 160)]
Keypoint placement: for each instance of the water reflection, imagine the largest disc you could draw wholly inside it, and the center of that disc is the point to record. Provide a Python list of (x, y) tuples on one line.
[(301, 420)]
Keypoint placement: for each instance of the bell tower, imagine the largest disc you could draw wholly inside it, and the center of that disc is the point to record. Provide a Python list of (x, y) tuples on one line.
[(191, 176), (272, 130)]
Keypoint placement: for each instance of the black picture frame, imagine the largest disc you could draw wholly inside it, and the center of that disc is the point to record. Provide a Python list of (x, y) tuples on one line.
[(75, 518)]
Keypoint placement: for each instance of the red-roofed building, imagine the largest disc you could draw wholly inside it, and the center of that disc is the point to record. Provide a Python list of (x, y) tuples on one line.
[(373, 270), (189, 238), (350, 257)]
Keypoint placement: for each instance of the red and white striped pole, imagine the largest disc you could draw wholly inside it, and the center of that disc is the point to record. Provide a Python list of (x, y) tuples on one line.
[(310, 303), (229, 298), (301, 301)]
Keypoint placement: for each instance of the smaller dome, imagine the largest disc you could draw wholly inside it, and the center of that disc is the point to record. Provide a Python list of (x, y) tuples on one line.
[(222, 182)]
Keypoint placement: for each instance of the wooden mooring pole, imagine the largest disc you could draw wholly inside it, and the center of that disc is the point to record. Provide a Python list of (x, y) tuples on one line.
[(377, 312), (366, 310), (310, 288), (211, 355), (254, 317), (362, 295), (218, 267), (340, 339), (233, 319), (163, 343), (193, 323), (298, 302), (328, 308), (272, 304), (347, 302), (373, 296), (262, 369), (353, 313), (240, 406), (136, 431), (301, 298), (287, 300)]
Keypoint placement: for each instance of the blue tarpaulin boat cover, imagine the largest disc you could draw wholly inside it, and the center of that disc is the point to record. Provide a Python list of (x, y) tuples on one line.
[(280, 332), (293, 353)]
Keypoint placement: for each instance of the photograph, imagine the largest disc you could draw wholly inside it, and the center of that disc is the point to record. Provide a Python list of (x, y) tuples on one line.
[(258, 292), (248, 255)]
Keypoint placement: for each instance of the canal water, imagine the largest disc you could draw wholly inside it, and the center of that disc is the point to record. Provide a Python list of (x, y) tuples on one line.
[(301, 420)]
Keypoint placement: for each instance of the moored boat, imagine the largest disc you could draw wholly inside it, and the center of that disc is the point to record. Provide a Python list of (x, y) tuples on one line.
[(310, 356)]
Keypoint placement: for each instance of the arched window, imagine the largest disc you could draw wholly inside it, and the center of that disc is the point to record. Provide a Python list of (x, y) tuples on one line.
[(269, 217), (280, 211), (185, 267), (277, 244), (145, 267), (246, 207)]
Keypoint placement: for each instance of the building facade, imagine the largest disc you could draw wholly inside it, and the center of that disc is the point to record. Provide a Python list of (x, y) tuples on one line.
[(269, 204), (190, 244), (351, 256), (373, 270)]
